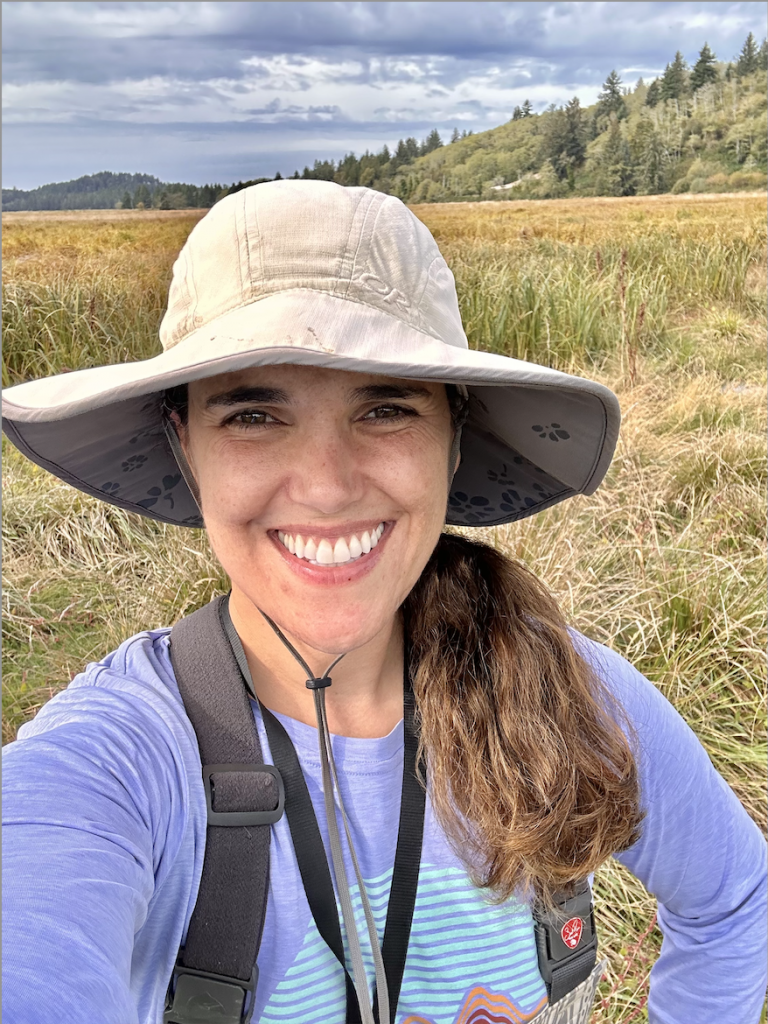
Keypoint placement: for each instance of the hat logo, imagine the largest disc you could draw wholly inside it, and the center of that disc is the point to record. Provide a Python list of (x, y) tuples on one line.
[(571, 932)]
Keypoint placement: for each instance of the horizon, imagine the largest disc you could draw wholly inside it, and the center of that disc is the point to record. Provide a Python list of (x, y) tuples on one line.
[(203, 93)]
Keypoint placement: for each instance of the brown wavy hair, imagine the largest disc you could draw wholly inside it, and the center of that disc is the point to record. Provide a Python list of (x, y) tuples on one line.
[(530, 772)]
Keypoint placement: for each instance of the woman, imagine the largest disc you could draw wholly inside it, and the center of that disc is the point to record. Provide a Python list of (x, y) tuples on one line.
[(316, 408)]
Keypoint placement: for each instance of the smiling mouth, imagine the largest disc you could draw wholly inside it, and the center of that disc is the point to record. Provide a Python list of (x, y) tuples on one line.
[(331, 552)]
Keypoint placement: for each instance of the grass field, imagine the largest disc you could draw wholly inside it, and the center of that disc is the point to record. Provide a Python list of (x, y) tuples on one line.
[(663, 299)]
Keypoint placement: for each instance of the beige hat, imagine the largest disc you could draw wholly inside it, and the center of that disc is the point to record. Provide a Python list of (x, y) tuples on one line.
[(311, 273)]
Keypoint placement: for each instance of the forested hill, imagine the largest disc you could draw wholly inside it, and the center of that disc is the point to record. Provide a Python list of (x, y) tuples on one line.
[(92, 192), (712, 139), (694, 129)]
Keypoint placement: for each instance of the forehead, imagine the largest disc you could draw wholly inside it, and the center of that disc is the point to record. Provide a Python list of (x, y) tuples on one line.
[(301, 382)]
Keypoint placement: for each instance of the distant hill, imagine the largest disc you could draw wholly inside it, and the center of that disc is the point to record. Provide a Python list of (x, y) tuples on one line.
[(699, 129), (92, 192)]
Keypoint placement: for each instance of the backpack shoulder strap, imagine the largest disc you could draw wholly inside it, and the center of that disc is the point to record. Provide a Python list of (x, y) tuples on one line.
[(566, 939), (216, 966)]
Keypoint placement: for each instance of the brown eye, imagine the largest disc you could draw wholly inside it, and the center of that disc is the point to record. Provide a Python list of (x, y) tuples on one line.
[(250, 418), (389, 412)]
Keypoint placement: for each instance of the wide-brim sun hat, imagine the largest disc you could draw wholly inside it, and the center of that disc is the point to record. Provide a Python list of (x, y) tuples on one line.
[(315, 274)]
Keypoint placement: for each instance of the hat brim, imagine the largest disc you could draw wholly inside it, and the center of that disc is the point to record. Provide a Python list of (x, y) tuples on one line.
[(534, 436)]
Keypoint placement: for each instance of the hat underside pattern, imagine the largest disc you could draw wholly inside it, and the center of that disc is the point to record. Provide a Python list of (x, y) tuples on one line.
[(494, 483)]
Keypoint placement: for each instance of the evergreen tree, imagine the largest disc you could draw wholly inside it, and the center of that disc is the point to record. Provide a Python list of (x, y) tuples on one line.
[(653, 95), (674, 81), (611, 101), (455, 135), (762, 56), (648, 154), (432, 142), (576, 145), (748, 60), (517, 114), (615, 177), (704, 70), (565, 139), (527, 109), (411, 148), (142, 195), (278, 177), (126, 203)]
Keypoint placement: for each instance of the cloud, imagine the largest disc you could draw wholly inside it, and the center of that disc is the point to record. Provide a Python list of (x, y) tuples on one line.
[(350, 72)]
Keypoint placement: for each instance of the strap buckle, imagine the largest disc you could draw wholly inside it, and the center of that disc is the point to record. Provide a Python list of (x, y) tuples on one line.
[(201, 997), (566, 941), (234, 818)]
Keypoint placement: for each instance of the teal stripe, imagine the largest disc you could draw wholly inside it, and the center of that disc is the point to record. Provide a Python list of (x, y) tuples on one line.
[(329, 985), (473, 923), (458, 939), (478, 955)]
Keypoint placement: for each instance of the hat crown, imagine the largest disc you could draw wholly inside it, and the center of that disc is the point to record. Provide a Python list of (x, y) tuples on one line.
[(353, 243)]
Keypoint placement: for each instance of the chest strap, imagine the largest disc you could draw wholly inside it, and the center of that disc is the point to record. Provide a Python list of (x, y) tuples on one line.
[(214, 979), (566, 940)]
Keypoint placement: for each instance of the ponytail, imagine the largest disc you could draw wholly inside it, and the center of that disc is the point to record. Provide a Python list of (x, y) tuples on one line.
[(530, 773)]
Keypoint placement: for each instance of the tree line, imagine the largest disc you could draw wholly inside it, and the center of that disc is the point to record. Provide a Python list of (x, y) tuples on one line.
[(692, 128)]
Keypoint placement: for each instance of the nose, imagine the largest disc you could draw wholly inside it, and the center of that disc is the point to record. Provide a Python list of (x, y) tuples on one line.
[(325, 474)]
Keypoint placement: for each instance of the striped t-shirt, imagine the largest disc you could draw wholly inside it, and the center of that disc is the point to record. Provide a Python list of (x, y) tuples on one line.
[(104, 835)]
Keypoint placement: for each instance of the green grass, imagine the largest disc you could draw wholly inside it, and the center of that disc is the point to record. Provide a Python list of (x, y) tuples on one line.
[(665, 563)]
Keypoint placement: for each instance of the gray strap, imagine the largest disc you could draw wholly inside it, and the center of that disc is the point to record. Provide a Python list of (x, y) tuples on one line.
[(225, 929), (456, 443), (181, 460), (330, 776)]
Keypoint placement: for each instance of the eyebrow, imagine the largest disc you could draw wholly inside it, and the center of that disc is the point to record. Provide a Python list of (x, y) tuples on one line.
[(381, 392), (276, 396), (262, 396)]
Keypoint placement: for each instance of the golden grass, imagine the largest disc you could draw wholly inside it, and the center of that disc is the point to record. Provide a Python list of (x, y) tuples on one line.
[(666, 563)]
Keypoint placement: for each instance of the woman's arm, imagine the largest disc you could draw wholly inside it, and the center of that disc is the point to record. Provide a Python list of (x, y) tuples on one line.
[(703, 858), (94, 809)]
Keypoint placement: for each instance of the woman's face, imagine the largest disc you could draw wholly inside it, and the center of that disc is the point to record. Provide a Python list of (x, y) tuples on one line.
[(323, 492)]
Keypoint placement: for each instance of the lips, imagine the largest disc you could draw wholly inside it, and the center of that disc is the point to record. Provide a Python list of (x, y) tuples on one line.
[(330, 551)]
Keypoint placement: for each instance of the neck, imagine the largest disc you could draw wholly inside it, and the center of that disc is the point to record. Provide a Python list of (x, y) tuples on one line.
[(365, 699)]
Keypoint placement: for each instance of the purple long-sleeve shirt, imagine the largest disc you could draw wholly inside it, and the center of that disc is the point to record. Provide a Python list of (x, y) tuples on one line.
[(103, 846)]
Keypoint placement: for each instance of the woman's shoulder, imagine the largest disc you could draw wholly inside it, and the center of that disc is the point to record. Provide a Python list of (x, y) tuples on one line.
[(658, 730), (132, 687)]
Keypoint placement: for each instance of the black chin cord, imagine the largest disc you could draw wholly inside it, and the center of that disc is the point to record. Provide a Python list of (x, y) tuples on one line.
[(318, 685)]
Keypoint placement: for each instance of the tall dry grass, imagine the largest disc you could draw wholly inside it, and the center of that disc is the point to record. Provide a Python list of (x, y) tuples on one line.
[(663, 300)]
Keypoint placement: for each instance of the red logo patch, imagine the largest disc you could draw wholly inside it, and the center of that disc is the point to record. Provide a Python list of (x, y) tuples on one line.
[(571, 932)]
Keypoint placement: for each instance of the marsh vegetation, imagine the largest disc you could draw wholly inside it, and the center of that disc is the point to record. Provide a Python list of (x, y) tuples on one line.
[(662, 298)]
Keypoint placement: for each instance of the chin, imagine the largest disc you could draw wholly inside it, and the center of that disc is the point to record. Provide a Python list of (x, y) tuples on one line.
[(333, 639)]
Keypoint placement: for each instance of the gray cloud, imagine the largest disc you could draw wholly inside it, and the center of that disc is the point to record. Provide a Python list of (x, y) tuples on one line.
[(345, 74)]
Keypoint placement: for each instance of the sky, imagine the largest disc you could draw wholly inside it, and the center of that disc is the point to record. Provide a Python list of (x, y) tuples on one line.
[(204, 92)]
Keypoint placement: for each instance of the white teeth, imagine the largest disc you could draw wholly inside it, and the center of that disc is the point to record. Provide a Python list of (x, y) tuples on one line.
[(324, 553), (341, 551)]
